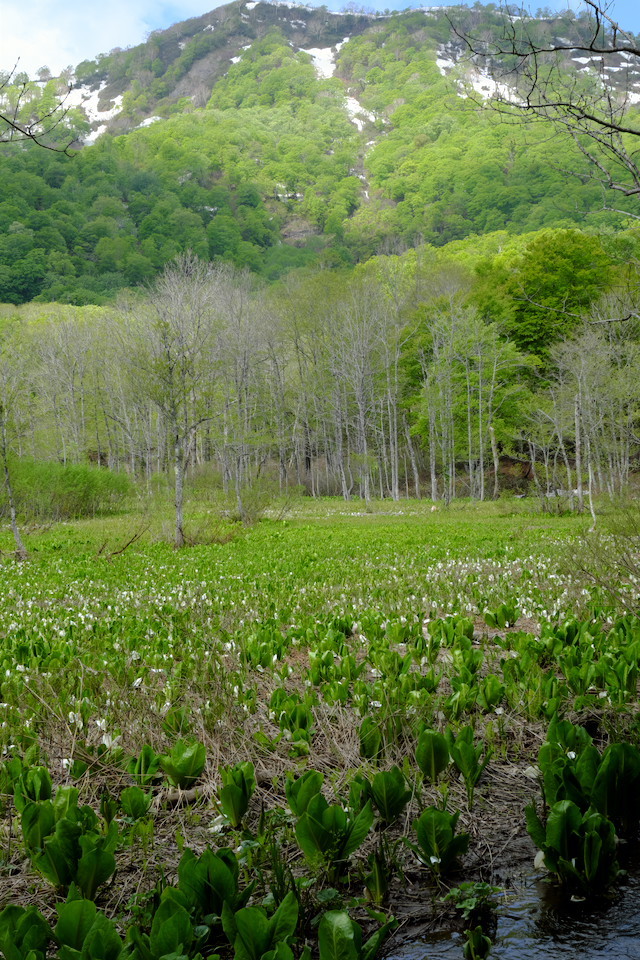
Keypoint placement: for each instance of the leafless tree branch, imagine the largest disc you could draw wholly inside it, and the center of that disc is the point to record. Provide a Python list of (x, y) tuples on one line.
[(39, 129), (592, 107)]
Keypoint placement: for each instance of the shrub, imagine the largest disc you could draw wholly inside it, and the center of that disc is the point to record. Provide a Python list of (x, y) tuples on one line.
[(45, 490)]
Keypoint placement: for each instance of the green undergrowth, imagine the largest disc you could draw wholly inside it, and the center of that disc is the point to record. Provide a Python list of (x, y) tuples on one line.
[(246, 748)]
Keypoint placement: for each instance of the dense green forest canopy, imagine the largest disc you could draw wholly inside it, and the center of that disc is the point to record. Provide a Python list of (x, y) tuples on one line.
[(400, 292), (258, 159)]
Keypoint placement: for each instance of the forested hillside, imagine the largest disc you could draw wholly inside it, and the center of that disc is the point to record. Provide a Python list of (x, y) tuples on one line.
[(249, 150), (403, 293), (274, 256)]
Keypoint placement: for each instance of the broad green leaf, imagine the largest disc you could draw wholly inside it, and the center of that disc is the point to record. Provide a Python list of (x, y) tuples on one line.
[(432, 754), (535, 829), (171, 930), (75, 919), (254, 933), (54, 865), (66, 800), (359, 830), (228, 918), (185, 763), (234, 803), (563, 823), (145, 768), (135, 802), (337, 937), (390, 793), (371, 739), (24, 933), (491, 692), (242, 775), (592, 854), (568, 735), (299, 792), (69, 953), (103, 941), (33, 785), (617, 785), (438, 844), (282, 952), (311, 833), (586, 770), (94, 867), (38, 822), (285, 919), (372, 946), (207, 882)]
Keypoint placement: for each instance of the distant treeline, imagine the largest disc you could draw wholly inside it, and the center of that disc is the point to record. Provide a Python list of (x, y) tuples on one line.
[(410, 375)]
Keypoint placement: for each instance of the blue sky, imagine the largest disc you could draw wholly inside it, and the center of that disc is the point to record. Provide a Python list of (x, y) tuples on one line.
[(59, 33)]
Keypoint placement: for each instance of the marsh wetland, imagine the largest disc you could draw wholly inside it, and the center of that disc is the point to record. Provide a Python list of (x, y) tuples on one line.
[(347, 730)]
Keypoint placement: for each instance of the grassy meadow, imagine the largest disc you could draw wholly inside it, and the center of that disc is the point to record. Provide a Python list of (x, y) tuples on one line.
[(257, 745)]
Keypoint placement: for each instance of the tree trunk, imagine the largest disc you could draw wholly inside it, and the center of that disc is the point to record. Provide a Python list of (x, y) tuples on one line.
[(578, 441), (414, 462), (592, 510), (178, 466), (496, 462)]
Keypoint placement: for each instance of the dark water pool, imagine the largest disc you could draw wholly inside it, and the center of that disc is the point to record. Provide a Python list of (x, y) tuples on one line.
[(534, 924)]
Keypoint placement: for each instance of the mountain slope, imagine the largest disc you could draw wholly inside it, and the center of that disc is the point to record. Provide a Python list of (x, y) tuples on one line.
[(275, 138), (186, 61)]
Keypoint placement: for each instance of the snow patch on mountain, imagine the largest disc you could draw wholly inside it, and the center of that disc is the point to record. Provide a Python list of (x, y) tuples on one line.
[(303, 6), (324, 58), (295, 6), (471, 77), (484, 85), (238, 59), (357, 113), (87, 99), (444, 65)]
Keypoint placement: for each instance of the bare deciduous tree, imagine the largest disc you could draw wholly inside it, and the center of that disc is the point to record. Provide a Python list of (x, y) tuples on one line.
[(38, 119), (169, 343)]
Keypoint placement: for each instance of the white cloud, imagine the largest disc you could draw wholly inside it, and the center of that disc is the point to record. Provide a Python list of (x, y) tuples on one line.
[(60, 34)]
